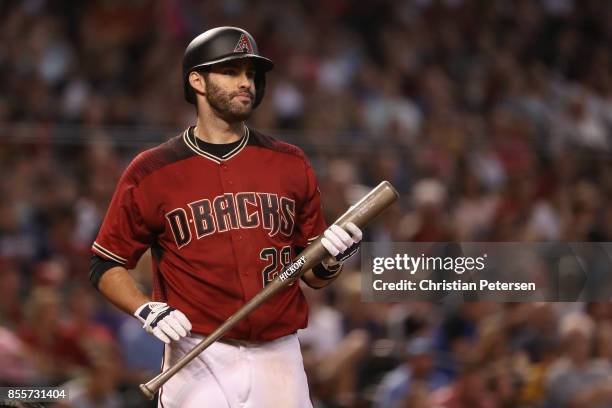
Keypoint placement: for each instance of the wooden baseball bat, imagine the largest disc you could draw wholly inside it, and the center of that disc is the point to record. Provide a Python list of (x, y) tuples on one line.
[(377, 200)]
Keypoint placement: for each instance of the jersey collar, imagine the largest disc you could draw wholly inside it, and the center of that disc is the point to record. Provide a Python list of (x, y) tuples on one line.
[(217, 159)]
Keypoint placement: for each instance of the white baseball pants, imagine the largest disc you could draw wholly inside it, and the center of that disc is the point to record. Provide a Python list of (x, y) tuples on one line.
[(237, 374)]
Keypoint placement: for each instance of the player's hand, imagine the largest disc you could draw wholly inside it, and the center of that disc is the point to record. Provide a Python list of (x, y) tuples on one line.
[(163, 321), (341, 243)]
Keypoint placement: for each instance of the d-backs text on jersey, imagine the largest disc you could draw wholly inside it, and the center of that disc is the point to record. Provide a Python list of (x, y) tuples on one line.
[(232, 211)]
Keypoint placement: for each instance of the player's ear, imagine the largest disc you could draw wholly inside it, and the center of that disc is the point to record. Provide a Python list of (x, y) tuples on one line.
[(196, 80)]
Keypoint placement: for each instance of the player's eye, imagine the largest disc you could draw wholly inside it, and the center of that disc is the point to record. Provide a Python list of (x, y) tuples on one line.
[(229, 71), (250, 74)]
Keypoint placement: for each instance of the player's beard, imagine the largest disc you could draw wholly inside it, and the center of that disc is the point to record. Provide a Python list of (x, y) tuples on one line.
[(224, 105)]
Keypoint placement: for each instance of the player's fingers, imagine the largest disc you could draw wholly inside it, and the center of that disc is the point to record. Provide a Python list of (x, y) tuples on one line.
[(334, 240), (168, 330), (157, 332), (183, 320), (346, 239), (176, 325), (329, 246), (355, 231)]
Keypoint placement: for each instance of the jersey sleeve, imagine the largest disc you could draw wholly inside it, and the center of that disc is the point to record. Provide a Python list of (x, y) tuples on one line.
[(124, 236), (310, 221)]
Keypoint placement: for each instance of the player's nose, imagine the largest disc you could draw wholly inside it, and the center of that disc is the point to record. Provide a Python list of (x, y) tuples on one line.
[(245, 80)]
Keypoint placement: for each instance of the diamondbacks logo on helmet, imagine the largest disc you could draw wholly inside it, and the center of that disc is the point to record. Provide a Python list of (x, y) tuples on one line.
[(244, 45)]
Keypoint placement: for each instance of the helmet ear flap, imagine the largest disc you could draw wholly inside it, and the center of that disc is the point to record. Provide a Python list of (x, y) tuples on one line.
[(260, 88)]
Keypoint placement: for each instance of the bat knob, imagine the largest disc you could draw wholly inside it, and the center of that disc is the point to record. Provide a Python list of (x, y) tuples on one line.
[(146, 391)]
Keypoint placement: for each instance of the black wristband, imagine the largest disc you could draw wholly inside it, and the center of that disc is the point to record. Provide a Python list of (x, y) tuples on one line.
[(323, 273)]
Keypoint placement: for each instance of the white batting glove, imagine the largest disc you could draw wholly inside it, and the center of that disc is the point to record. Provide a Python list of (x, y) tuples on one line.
[(340, 244), (163, 321)]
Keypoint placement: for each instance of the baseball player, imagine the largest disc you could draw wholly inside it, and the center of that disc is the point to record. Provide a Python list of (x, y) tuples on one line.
[(223, 208)]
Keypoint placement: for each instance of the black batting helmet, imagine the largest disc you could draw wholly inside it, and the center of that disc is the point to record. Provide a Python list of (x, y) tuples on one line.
[(224, 44)]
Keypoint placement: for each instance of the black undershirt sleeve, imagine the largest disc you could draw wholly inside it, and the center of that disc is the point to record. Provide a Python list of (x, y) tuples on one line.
[(98, 267)]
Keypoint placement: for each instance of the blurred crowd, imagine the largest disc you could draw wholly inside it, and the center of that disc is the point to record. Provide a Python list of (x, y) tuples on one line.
[(493, 119)]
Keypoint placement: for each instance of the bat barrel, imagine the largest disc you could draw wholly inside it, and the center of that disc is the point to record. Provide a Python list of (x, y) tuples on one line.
[(366, 209)]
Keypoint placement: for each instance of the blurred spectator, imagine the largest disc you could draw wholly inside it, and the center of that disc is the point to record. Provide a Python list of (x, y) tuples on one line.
[(468, 391), (417, 370), (17, 365), (11, 313), (97, 387), (575, 380), (57, 349)]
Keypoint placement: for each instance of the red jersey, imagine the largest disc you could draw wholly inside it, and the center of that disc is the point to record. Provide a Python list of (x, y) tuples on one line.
[(219, 229)]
